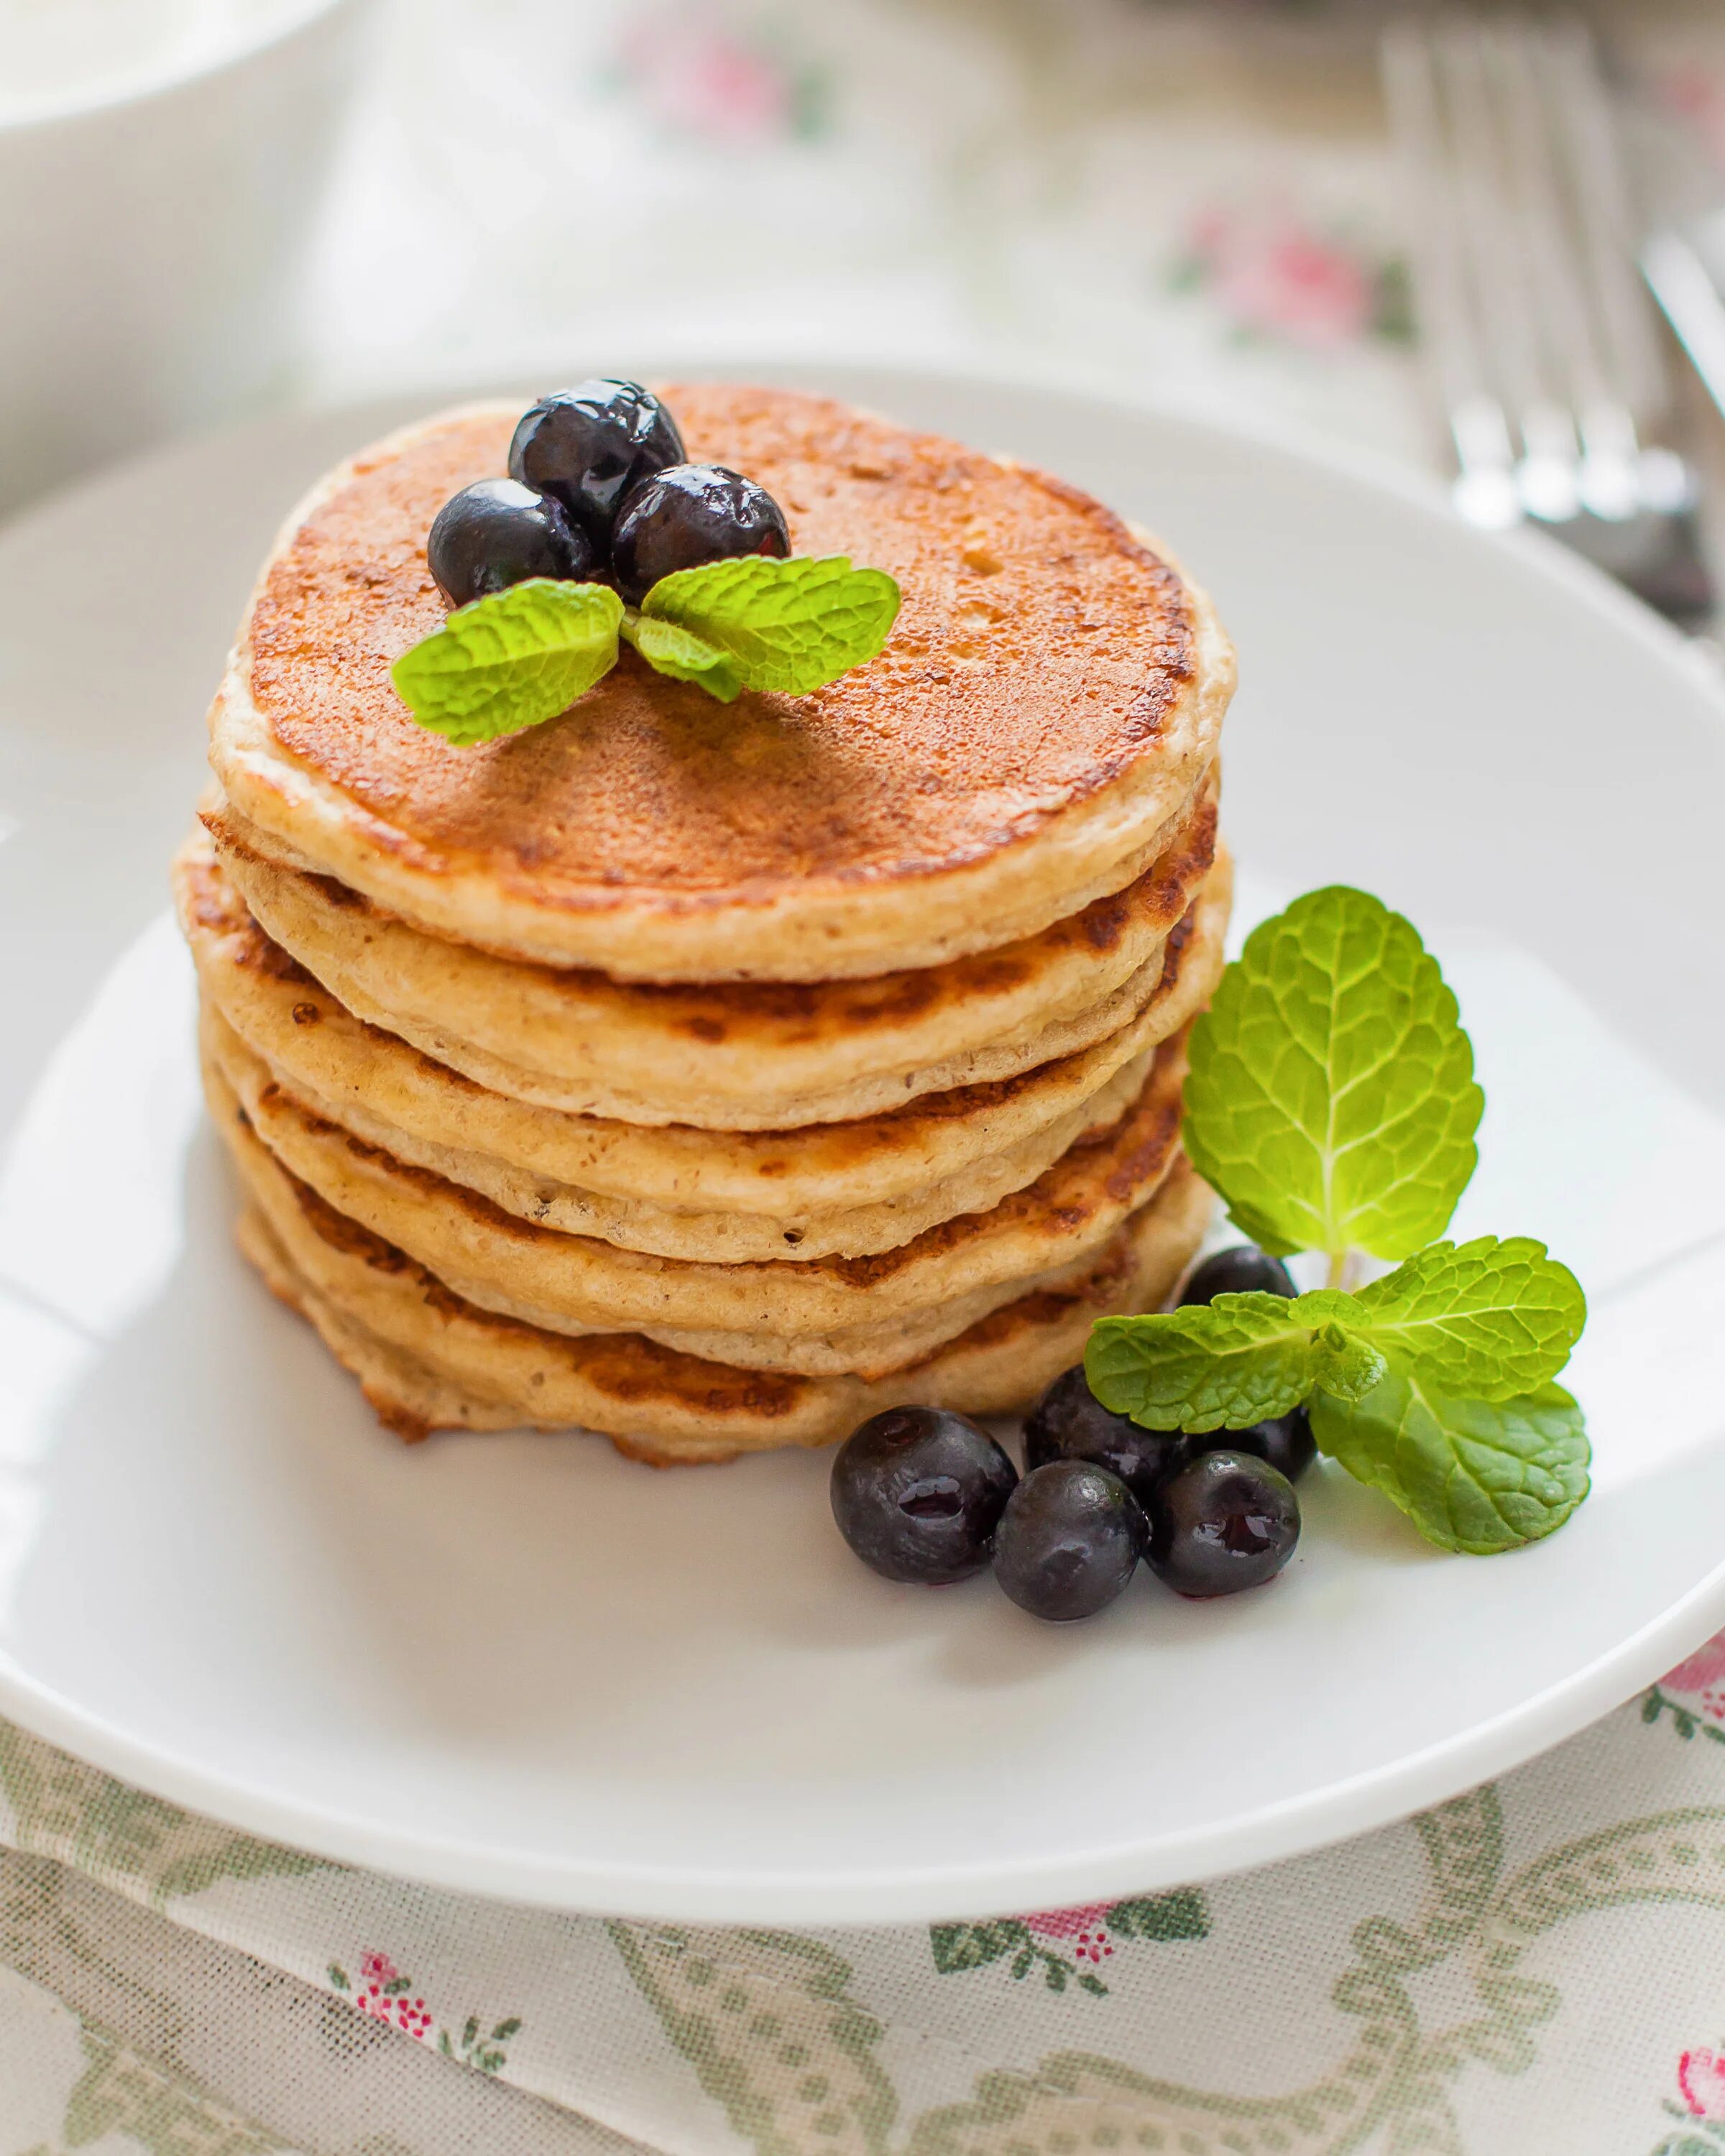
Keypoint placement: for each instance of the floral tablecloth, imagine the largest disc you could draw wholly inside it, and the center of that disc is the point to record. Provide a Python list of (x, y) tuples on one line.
[(1195, 197), (1538, 1966)]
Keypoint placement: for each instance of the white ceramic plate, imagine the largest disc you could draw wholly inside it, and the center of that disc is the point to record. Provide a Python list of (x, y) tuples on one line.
[(521, 1665)]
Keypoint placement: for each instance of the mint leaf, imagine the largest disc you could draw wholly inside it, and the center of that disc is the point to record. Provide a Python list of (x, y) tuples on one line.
[(1472, 1475), (1224, 1364), (1488, 1319), (1331, 1098), (511, 660), (670, 648), (785, 626)]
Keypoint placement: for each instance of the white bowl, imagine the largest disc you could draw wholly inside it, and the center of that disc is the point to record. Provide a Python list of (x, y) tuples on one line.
[(149, 230)]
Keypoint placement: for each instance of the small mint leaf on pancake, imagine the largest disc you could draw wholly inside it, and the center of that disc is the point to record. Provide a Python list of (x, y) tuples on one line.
[(1331, 1099), (1473, 1474), (787, 627), (512, 660), (670, 649), (1489, 1320), (1220, 1365)]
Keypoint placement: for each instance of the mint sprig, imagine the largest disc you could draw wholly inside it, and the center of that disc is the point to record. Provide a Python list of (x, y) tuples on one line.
[(1332, 1103), (516, 658), (1330, 1098), (511, 660), (1489, 1319)]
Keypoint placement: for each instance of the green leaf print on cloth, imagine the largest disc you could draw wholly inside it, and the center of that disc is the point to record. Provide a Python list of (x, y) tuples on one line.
[(770, 2024), (1659, 1703), (150, 1851), (123, 2097), (767, 2020), (1693, 1694), (1090, 1934)]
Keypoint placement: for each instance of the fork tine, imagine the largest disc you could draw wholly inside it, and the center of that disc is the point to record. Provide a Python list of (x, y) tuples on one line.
[(1539, 214), (1583, 124), (1514, 261), (1451, 328)]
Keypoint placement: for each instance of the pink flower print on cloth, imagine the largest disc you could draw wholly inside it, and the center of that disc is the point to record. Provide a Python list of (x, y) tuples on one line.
[(1085, 1929), (1697, 93), (1690, 1698), (1272, 276), (1306, 290), (1701, 2076), (694, 76), (384, 1994), (1701, 1679)]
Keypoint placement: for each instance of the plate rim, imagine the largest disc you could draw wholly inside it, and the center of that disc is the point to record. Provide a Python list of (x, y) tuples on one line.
[(1356, 1805), (1299, 1826)]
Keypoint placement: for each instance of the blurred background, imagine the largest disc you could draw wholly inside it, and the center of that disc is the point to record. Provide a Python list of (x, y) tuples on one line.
[(208, 205)]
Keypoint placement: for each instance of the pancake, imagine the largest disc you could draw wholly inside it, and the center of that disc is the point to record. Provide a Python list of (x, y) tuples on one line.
[(427, 1360), (832, 1188), (817, 1316), (751, 1056), (714, 1237), (1037, 727), (783, 1038)]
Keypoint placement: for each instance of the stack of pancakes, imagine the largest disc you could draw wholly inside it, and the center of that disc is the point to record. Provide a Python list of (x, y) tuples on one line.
[(712, 1076)]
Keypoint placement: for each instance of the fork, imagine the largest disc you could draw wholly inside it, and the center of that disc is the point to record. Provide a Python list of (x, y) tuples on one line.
[(1539, 340)]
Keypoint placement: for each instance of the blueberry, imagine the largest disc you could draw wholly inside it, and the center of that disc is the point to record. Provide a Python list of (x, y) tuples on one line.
[(1228, 1521), (1069, 1422), (689, 515), (1068, 1540), (495, 534), (590, 446), (1286, 1441), (1243, 1270), (918, 1494)]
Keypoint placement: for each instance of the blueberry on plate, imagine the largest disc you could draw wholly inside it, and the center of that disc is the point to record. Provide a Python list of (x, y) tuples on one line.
[(590, 446), (918, 1493), (1245, 1269), (1069, 1541), (689, 515), (1229, 1521), (1069, 1422), (498, 533), (1285, 1441)]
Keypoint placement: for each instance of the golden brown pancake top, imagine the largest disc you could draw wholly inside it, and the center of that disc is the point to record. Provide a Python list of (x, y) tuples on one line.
[(1038, 651)]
